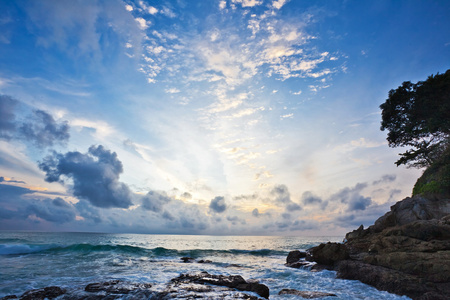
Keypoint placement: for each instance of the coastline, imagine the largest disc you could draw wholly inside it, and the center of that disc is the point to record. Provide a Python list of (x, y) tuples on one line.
[(406, 251)]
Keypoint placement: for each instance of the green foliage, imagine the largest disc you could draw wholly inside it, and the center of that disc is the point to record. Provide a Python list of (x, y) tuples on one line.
[(435, 181), (418, 116)]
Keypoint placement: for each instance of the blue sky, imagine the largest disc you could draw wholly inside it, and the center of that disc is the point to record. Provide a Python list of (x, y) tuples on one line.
[(207, 117)]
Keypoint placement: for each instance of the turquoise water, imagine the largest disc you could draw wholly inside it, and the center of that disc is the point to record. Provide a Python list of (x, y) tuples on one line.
[(35, 260)]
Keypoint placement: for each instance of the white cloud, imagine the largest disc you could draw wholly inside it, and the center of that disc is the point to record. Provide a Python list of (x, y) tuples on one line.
[(152, 10), (142, 23), (172, 91), (279, 3), (248, 3), (129, 7), (222, 4), (102, 129), (287, 116)]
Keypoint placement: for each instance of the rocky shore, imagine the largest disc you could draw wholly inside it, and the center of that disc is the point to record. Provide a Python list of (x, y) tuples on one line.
[(186, 286), (406, 251)]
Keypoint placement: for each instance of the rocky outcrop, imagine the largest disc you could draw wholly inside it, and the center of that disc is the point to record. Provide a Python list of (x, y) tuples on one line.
[(186, 286), (406, 251)]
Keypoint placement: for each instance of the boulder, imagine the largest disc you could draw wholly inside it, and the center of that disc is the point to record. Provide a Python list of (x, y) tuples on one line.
[(295, 256), (328, 254), (232, 281), (50, 292)]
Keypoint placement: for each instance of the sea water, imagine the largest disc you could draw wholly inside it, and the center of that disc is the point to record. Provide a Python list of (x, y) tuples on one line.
[(30, 260)]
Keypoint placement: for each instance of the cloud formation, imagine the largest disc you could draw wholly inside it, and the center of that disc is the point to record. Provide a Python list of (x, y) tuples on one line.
[(218, 204), (43, 130), (7, 116), (40, 128), (154, 201), (283, 197), (352, 197), (95, 176)]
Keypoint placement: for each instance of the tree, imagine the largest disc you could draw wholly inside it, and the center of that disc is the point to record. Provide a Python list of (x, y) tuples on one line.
[(418, 116)]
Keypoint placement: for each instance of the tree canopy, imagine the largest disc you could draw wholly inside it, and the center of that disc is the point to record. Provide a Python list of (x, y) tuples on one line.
[(418, 116)]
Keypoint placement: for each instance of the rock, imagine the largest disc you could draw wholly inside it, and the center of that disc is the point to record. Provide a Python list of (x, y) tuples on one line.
[(380, 278), (231, 281), (9, 297), (328, 254), (305, 294), (358, 233), (50, 292), (185, 286), (295, 256), (187, 259), (295, 259), (412, 209), (116, 287), (406, 251)]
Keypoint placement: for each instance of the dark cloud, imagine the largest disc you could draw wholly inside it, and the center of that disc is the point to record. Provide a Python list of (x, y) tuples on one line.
[(218, 204), (95, 176), (186, 195), (256, 213), (286, 216), (44, 131), (15, 207), (235, 220), (304, 225), (309, 199), (281, 194), (359, 203), (8, 193), (88, 212), (283, 197), (352, 197), (293, 207), (385, 179), (40, 128), (7, 116), (245, 197), (3, 179), (56, 210), (155, 201), (168, 216)]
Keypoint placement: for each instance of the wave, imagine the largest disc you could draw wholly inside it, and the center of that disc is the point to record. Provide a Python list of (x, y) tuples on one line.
[(20, 249)]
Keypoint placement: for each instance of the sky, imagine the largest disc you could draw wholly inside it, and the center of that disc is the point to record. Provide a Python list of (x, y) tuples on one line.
[(217, 117)]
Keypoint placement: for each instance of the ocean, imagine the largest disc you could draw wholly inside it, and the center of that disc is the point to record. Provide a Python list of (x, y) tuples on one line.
[(30, 260)]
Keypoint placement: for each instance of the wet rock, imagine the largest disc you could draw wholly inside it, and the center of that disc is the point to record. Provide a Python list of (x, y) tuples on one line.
[(9, 297), (187, 259), (50, 292), (295, 256), (116, 287), (295, 259), (232, 282), (305, 294)]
